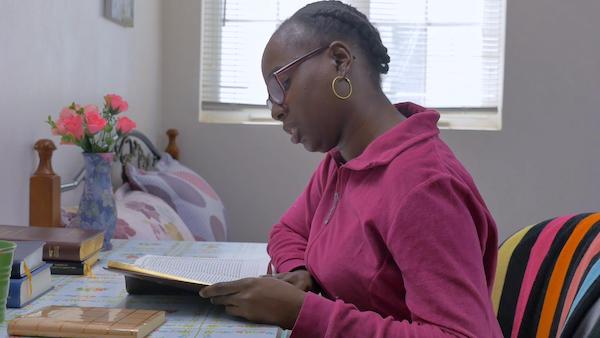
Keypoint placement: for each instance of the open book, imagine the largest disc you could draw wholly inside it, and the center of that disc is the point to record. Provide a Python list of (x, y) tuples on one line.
[(185, 273)]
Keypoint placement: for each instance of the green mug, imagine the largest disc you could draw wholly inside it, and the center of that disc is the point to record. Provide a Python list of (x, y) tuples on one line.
[(7, 249)]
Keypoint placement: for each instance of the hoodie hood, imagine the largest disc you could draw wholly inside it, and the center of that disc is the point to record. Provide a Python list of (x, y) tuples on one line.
[(420, 124)]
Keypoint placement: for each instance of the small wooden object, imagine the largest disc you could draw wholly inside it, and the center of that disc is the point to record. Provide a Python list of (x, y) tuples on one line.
[(172, 148), (44, 189), (65, 321)]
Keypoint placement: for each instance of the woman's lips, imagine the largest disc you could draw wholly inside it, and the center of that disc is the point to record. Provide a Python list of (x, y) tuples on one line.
[(295, 137)]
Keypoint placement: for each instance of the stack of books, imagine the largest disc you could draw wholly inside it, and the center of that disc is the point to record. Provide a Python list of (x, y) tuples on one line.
[(69, 251), (30, 276)]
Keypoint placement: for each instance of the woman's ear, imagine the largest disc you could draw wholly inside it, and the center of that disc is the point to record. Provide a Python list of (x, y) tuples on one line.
[(342, 57)]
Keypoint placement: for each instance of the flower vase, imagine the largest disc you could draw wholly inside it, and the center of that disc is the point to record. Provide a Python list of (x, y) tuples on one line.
[(97, 209)]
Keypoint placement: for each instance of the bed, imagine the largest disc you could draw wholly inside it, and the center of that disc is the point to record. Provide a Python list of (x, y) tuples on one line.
[(157, 197)]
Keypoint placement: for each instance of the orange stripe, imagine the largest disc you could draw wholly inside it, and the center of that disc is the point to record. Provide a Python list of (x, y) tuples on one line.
[(558, 274)]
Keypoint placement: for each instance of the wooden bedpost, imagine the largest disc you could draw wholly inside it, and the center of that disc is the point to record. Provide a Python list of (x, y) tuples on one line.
[(44, 189), (172, 148)]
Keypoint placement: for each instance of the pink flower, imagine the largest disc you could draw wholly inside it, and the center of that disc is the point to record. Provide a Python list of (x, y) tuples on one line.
[(90, 108), (73, 125), (116, 102), (65, 114), (125, 124), (94, 121)]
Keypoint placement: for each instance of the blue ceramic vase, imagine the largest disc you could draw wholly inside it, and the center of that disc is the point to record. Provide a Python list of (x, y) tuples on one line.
[(97, 209)]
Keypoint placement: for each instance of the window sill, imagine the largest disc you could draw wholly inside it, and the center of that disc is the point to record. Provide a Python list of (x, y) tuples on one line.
[(451, 119)]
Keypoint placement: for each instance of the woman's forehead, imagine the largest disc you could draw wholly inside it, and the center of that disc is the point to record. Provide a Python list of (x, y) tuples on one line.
[(277, 55), (285, 45)]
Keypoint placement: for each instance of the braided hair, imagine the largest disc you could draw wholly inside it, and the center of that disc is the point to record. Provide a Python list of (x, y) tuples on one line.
[(331, 20)]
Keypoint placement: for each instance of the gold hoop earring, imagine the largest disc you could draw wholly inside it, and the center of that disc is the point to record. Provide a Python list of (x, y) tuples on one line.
[(341, 97)]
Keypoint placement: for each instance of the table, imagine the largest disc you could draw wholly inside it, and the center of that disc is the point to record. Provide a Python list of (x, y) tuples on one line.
[(186, 316)]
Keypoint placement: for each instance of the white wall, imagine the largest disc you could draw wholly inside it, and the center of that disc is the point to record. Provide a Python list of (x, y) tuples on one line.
[(59, 51), (544, 162)]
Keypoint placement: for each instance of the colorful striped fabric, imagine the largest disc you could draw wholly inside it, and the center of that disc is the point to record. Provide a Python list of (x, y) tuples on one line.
[(548, 279)]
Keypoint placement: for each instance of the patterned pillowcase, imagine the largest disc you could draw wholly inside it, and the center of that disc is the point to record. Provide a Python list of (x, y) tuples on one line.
[(186, 192), (141, 216), (146, 217)]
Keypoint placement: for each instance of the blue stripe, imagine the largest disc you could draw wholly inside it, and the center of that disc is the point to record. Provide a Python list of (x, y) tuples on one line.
[(587, 282)]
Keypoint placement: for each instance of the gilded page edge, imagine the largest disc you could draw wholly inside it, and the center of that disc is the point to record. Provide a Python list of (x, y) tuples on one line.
[(133, 268)]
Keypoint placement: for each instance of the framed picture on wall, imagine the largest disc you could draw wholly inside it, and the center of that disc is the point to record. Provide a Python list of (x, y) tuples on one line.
[(119, 11)]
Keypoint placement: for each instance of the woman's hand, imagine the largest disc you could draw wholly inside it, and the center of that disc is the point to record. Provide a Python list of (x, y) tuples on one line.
[(262, 300), (298, 278)]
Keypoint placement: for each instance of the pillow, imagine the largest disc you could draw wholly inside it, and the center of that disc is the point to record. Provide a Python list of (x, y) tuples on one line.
[(144, 216), (186, 192), (141, 216)]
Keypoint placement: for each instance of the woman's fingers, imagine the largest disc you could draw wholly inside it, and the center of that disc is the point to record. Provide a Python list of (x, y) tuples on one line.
[(276, 275), (234, 311), (223, 300), (299, 278), (225, 288)]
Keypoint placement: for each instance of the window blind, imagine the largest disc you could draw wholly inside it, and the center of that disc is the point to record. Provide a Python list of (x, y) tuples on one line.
[(444, 54)]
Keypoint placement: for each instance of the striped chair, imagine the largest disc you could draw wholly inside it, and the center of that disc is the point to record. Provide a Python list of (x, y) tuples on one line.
[(547, 281)]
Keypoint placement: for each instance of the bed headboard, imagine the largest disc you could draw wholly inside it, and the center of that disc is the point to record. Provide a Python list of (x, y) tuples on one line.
[(45, 185), (135, 148)]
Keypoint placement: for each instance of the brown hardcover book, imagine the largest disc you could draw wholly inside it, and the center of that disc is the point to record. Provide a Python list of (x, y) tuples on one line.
[(67, 321), (65, 244)]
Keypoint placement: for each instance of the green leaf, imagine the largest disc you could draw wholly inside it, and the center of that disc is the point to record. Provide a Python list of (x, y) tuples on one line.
[(86, 144), (50, 122), (67, 139)]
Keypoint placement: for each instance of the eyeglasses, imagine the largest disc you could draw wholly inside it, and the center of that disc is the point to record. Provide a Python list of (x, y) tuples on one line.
[(275, 86)]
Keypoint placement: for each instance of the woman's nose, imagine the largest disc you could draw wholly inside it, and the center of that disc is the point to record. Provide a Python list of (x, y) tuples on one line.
[(277, 112)]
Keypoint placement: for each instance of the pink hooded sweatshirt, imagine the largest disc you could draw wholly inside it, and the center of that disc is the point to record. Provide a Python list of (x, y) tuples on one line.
[(398, 238)]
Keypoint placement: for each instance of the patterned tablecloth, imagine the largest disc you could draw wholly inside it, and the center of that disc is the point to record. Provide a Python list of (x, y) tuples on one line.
[(186, 316)]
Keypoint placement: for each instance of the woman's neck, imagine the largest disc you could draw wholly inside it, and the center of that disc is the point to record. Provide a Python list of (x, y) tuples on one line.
[(368, 121)]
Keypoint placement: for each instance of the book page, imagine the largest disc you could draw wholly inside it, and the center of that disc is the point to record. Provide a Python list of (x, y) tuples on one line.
[(205, 270)]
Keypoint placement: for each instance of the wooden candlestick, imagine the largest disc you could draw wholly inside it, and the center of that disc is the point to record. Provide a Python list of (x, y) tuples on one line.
[(172, 148), (44, 189)]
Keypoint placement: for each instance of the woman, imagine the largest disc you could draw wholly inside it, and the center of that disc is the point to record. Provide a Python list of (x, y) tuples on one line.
[(391, 230)]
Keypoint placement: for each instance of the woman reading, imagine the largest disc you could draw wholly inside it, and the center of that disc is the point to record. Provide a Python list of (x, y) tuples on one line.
[(390, 238)]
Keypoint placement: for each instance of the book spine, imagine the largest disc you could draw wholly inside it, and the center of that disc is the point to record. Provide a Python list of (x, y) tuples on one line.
[(16, 270), (14, 293), (62, 252), (66, 269)]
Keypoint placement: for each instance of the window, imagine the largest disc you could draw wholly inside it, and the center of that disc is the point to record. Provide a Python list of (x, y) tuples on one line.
[(444, 54)]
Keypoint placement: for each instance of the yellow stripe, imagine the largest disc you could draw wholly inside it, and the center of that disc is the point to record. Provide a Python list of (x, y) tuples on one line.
[(29, 278), (87, 270), (504, 254)]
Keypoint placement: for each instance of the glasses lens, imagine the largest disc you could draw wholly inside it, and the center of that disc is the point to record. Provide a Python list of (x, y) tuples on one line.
[(269, 104), (275, 90)]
